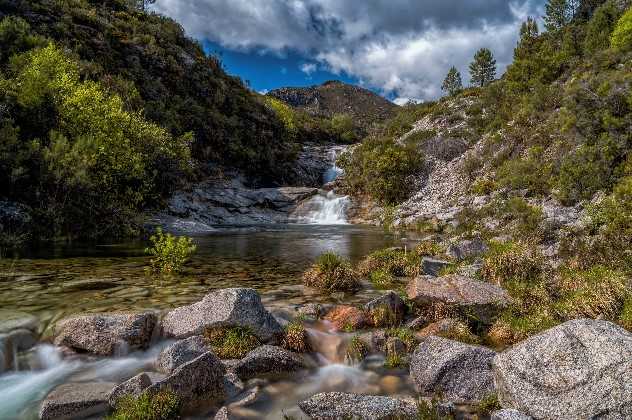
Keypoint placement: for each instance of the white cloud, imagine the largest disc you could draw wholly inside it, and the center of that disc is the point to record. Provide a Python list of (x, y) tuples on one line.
[(308, 68), (403, 47)]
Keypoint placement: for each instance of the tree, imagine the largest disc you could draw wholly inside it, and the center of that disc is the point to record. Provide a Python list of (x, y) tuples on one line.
[(142, 4), (452, 83), (622, 36), (528, 35), (600, 27), (559, 13), (483, 68), (587, 8)]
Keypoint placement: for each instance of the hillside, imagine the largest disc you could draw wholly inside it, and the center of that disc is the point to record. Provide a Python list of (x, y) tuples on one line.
[(537, 164), (337, 98)]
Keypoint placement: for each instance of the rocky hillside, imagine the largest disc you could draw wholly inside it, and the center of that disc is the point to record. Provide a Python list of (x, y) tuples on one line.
[(337, 98)]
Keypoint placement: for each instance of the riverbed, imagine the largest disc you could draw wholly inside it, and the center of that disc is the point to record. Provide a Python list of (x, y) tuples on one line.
[(55, 282)]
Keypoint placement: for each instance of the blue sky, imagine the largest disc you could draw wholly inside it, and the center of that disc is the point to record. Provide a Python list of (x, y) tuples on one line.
[(401, 49), (266, 70)]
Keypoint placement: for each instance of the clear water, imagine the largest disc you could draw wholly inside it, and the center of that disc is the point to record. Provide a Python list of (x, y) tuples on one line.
[(270, 259)]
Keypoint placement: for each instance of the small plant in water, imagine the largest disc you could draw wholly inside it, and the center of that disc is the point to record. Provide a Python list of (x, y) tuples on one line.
[(357, 350), (161, 406), (331, 273), (295, 338), (232, 343), (169, 252), (404, 334)]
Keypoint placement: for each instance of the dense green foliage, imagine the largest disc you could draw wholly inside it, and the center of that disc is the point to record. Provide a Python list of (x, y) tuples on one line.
[(622, 34), (169, 252), (161, 406), (106, 109)]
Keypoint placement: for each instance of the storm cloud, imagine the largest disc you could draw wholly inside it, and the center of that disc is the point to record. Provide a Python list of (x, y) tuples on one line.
[(401, 47)]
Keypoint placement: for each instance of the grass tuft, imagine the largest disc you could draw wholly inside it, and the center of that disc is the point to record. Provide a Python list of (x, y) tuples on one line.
[(232, 343)]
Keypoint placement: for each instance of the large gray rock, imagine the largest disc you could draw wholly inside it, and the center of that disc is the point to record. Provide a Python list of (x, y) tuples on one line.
[(108, 333), (223, 308), (340, 405), (265, 361), (390, 300), (133, 387), (580, 369), (456, 371), (200, 380), (76, 401), (477, 299), (13, 342), (467, 249), (181, 352), (509, 414)]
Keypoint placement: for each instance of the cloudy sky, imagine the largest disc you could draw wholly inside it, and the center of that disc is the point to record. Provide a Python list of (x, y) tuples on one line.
[(399, 48)]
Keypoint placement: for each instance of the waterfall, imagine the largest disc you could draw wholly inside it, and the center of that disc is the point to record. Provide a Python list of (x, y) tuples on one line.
[(325, 208)]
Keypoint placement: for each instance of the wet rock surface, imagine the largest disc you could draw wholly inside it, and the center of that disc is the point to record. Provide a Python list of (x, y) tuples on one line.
[(76, 401), (200, 380), (347, 317), (181, 352), (269, 361), (133, 387), (223, 308), (339, 405), (580, 369), (480, 299), (106, 334), (15, 320), (459, 372)]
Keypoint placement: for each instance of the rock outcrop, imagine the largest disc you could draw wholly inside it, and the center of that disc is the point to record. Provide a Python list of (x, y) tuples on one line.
[(200, 380), (268, 361), (76, 401), (340, 405), (108, 333), (181, 352), (459, 372), (133, 387), (223, 308), (580, 369), (473, 297)]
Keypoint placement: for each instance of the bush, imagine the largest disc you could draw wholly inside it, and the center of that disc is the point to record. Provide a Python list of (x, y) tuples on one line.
[(232, 343), (391, 261), (383, 316), (161, 406), (331, 273), (622, 35), (382, 169), (601, 26), (532, 173), (382, 279), (170, 252)]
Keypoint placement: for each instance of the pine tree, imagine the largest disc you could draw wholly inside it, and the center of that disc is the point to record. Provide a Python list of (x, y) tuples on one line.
[(528, 34), (600, 27), (557, 15), (142, 4), (483, 68), (452, 83)]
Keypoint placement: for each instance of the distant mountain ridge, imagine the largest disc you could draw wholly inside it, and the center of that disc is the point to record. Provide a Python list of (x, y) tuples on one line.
[(335, 97)]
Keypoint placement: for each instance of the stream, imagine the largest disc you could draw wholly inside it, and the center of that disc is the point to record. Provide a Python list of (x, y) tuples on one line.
[(55, 282)]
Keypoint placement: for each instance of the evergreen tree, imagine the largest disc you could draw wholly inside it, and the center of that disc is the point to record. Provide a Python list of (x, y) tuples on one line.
[(587, 8), (600, 27), (528, 34), (452, 83), (557, 15), (483, 68)]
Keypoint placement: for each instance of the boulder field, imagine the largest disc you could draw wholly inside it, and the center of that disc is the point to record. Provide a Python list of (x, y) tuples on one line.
[(577, 370)]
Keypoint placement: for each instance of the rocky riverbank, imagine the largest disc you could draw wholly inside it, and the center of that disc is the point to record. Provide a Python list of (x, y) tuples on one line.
[(579, 369)]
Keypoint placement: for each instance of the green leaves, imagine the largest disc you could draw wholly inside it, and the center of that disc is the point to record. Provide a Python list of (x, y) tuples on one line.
[(621, 38), (169, 252), (483, 68)]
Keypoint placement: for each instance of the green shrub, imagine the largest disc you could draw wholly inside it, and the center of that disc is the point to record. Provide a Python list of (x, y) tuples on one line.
[(233, 342), (383, 316), (526, 219), (488, 405), (622, 35), (331, 273), (161, 406), (394, 361), (406, 335), (169, 252), (601, 26), (532, 173), (382, 169)]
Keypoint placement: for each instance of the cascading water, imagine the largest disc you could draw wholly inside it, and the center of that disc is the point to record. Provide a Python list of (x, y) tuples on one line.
[(325, 208)]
